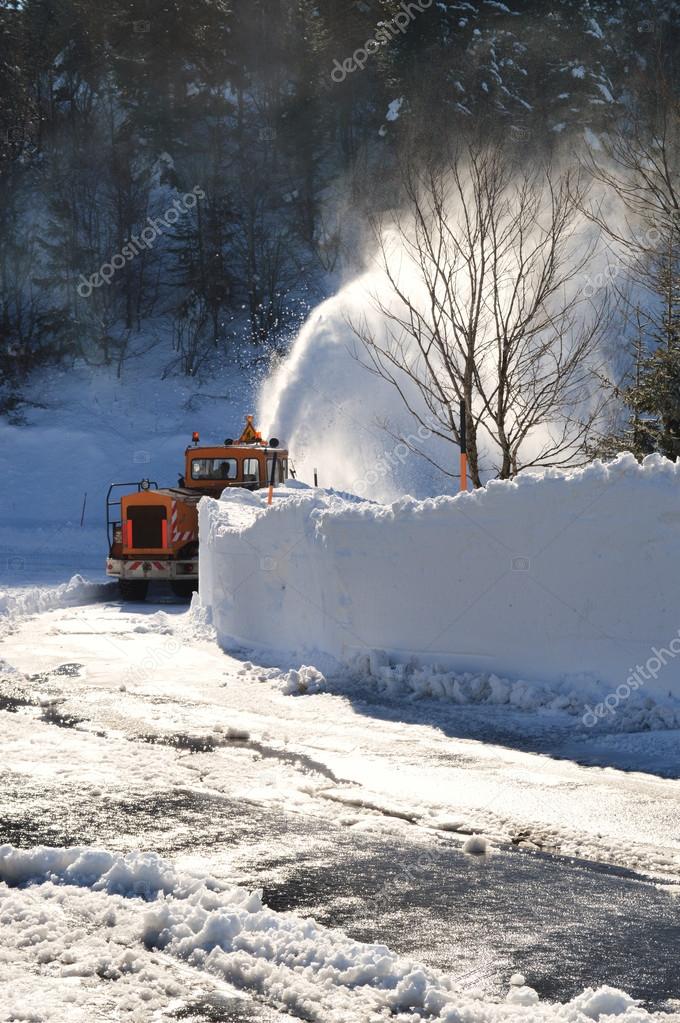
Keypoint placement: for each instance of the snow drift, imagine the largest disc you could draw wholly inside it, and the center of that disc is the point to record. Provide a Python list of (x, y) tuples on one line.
[(19, 603), (566, 578)]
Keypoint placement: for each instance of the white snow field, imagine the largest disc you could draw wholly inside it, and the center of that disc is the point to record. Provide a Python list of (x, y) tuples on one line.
[(568, 581), (84, 428)]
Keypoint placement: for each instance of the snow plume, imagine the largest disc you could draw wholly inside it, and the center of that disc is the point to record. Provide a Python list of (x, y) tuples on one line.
[(346, 421), (331, 411), (291, 962)]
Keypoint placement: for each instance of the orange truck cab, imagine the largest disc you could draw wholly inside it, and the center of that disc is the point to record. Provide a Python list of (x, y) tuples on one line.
[(153, 533)]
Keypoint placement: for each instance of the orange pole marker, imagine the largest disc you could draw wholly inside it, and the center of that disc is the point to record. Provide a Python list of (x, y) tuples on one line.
[(463, 446), (272, 478)]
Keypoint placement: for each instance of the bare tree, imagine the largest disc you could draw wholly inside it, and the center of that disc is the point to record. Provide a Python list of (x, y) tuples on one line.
[(482, 306), (190, 336)]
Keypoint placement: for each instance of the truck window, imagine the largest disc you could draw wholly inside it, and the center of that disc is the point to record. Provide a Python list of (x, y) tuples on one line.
[(213, 469), (251, 470), (281, 470)]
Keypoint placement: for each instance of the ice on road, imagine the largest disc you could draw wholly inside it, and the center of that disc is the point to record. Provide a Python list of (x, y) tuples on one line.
[(145, 674)]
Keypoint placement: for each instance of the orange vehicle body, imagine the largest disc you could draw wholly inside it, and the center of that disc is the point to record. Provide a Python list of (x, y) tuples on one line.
[(155, 534)]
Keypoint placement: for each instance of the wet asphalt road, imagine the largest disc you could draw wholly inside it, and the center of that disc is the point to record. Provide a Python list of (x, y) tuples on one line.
[(563, 925)]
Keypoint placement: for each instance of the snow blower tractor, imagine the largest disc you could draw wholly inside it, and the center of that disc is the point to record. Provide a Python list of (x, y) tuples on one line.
[(153, 533)]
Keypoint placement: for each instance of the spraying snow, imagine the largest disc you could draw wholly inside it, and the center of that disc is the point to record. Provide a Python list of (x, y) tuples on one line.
[(376, 373), (332, 411)]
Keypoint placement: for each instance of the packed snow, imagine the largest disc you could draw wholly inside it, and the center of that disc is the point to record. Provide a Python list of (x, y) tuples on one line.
[(564, 583)]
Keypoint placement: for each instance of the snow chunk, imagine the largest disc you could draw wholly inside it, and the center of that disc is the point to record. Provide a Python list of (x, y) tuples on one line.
[(305, 680), (477, 845), (606, 1001), (522, 996), (394, 109)]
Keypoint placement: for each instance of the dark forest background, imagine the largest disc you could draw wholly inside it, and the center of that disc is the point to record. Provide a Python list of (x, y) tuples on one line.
[(110, 112)]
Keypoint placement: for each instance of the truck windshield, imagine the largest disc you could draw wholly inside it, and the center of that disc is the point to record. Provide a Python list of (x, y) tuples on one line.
[(213, 469)]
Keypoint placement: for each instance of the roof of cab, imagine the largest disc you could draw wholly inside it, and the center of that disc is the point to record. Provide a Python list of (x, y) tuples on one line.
[(219, 450)]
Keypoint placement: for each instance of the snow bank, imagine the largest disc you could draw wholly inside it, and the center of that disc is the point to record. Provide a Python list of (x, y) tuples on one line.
[(19, 603), (294, 963), (477, 845), (570, 580)]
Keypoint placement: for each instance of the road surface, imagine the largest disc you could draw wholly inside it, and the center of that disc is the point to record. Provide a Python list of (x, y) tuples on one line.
[(126, 728)]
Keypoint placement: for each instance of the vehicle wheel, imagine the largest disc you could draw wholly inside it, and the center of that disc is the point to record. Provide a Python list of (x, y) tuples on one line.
[(133, 589), (184, 587)]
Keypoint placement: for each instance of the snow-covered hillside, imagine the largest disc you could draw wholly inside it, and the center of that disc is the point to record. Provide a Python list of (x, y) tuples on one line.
[(85, 428)]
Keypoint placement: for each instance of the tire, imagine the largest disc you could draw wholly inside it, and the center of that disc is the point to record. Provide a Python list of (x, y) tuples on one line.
[(133, 589), (184, 588)]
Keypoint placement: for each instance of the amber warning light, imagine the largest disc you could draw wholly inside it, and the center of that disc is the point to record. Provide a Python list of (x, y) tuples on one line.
[(195, 438)]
